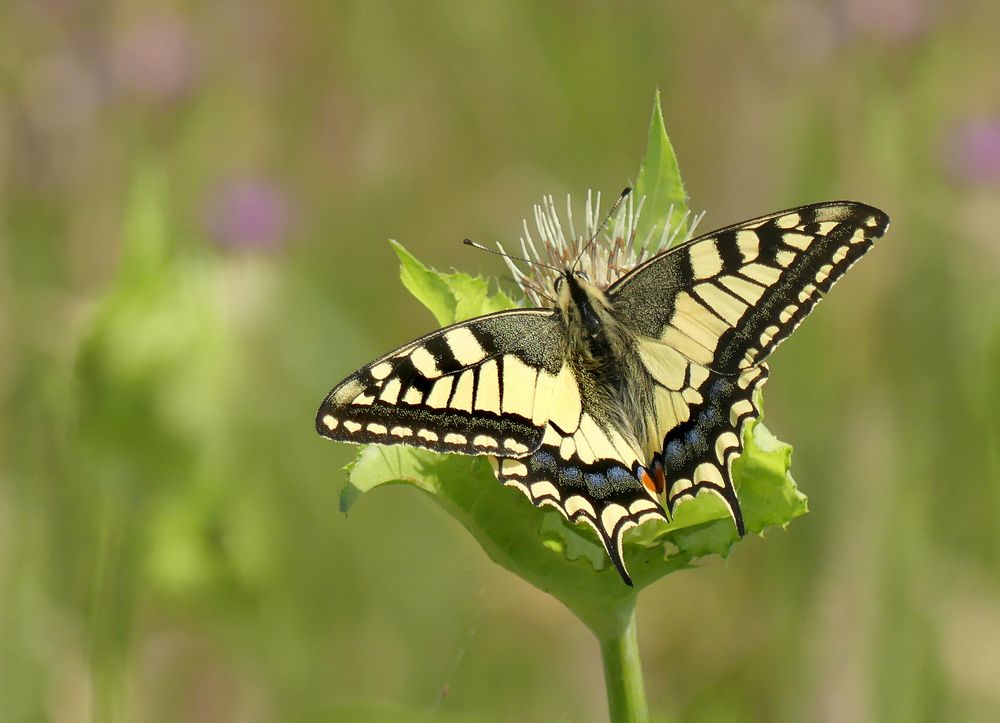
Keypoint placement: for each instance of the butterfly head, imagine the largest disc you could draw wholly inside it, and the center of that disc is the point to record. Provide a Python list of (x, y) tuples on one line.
[(583, 304)]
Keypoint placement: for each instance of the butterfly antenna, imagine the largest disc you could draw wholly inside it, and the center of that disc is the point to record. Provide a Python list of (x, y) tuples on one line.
[(505, 255), (597, 231)]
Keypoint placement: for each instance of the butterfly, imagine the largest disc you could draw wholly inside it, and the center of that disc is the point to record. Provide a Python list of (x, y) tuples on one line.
[(620, 401)]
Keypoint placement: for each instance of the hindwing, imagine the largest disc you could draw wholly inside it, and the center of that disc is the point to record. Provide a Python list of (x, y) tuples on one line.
[(591, 473)]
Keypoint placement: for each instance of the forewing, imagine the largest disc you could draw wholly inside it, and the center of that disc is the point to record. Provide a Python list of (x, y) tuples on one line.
[(727, 299), (478, 387)]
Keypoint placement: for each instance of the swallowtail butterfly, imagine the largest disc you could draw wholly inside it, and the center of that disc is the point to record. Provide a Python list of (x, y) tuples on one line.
[(621, 400)]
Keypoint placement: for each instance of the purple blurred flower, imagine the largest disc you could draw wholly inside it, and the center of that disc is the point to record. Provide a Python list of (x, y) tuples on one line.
[(973, 150), (155, 59), (821, 28), (249, 213), (900, 19)]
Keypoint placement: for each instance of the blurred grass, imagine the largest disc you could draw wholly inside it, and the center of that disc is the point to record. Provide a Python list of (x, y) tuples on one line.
[(168, 519)]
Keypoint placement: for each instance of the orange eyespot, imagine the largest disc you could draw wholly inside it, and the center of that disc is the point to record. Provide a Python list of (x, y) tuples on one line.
[(648, 481)]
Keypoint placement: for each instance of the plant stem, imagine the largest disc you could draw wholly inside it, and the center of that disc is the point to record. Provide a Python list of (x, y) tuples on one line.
[(623, 675)]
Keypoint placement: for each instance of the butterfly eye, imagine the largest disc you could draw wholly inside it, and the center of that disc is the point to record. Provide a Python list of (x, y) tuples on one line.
[(557, 284), (582, 275)]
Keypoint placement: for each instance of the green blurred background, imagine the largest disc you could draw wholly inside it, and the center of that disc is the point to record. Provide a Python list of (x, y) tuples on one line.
[(195, 204)]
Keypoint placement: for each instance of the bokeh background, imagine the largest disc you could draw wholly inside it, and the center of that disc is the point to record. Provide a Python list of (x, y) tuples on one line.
[(195, 204)]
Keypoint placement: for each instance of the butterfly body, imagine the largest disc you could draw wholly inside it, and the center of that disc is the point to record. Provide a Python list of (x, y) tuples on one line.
[(619, 402), (606, 358)]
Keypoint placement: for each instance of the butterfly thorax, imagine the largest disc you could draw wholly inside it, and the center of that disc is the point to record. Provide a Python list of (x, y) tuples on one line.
[(603, 353)]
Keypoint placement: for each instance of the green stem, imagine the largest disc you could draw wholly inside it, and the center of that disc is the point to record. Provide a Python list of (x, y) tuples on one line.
[(623, 675)]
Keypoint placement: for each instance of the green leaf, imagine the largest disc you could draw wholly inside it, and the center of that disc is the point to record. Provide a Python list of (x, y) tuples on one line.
[(659, 182), (450, 297)]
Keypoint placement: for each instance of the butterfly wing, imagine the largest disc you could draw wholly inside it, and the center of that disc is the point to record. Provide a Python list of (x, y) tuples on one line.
[(708, 313), (477, 387), (499, 385)]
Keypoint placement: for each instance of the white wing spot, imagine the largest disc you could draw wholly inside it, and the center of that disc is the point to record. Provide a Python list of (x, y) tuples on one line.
[(544, 488), (612, 515), (746, 290), (376, 428), (424, 362), (390, 392), (516, 447), (401, 432), (785, 257), (739, 409), (692, 318), (462, 398), (488, 390), (428, 435), (455, 438), (565, 406), (748, 243), (464, 346), (691, 396), (352, 426), (381, 370), (519, 382), (484, 440), (664, 363), (706, 472), (721, 302), (698, 375), (797, 240), (513, 467), (760, 273), (576, 504), (438, 396), (705, 259), (789, 220), (641, 505), (330, 422), (723, 443), (568, 448)]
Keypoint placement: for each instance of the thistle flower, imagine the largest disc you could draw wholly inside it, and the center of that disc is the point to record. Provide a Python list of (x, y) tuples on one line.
[(603, 260)]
